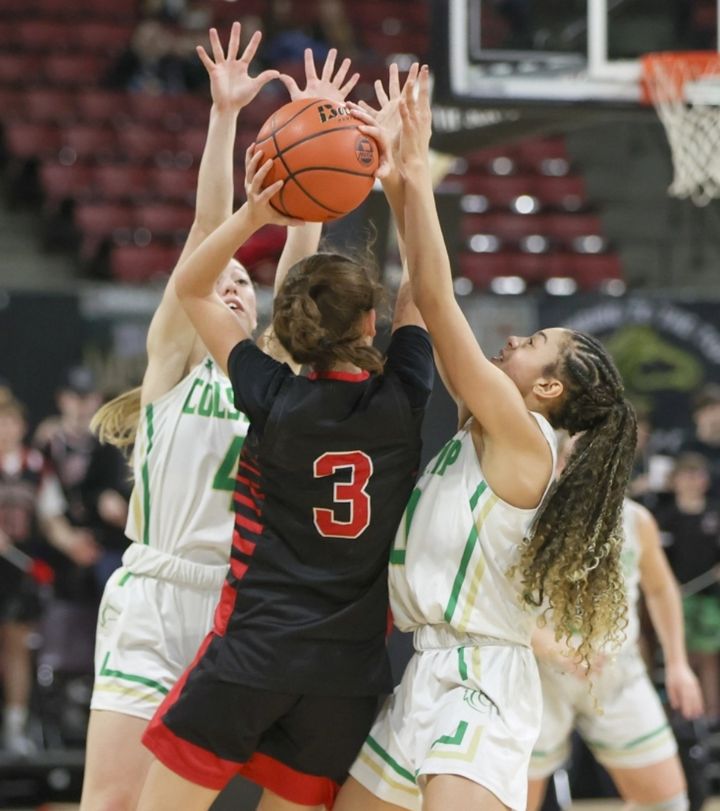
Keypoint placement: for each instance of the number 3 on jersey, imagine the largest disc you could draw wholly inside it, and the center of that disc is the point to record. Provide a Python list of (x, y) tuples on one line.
[(351, 492)]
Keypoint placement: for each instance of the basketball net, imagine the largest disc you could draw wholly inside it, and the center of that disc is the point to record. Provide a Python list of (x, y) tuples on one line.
[(684, 88)]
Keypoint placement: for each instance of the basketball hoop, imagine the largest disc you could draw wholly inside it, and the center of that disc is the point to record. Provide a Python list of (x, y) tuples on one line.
[(684, 88)]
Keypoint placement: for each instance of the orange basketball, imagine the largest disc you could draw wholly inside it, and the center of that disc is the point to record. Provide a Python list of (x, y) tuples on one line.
[(327, 163)]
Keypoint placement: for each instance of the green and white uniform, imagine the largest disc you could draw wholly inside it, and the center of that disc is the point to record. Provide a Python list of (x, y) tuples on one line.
[(633, 730), (158, 607), (469, 703)]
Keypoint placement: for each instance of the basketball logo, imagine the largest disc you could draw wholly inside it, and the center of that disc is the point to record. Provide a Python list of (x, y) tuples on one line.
[(364, 151)]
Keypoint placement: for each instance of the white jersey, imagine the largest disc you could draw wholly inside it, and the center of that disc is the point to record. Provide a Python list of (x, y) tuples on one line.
[(185, 458), (454, 546), (630, 566)]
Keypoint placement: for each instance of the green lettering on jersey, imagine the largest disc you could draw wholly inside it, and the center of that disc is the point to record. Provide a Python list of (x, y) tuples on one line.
[(218, 411), (224, 479), (206, 401), (187, 408), (210, 402), (448, 455)]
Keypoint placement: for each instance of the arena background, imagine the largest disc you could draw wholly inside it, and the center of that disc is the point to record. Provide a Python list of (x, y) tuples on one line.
[(554, 207)]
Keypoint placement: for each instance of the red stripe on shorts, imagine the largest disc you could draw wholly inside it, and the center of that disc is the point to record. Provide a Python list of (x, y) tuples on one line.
[(297, 787), (192, 762)]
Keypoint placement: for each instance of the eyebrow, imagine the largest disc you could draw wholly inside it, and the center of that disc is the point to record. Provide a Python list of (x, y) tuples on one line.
[(544, 335)]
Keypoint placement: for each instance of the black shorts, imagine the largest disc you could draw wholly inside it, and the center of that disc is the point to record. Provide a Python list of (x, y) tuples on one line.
[(19, 599), (299, 746)]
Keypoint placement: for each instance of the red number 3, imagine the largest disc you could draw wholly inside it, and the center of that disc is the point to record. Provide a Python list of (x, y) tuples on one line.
[(352, 493)]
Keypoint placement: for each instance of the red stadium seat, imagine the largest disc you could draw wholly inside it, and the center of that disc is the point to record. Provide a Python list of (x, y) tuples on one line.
[(88, 142), (74, 69), (500, 190), (113, 183), (534, 151), (171, 184), (151, 110), (505, 224), (65, 182), (44, 35), (102, 36), (588, 270), (191, 143), (567, 193), (103, 106), (165, 219), (100, 222), (12, 103), (31, 140), (133, 264), (19, 69), (50, 105), (12, 9), (126, 10), (57, 9), (139, 142)]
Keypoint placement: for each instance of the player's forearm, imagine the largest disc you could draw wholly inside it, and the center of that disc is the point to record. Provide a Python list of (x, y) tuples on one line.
[(427, 256), (301, 241), (196, 276), (214, 198), (665, 609)]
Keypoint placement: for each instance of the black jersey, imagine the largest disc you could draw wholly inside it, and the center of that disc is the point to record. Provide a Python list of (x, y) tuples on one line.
[(326, 470)]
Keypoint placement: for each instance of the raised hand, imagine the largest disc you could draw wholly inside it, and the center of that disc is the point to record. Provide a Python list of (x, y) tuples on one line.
[(416, 122), (258, 199), (231, 85), (385, 124), (325, 86)]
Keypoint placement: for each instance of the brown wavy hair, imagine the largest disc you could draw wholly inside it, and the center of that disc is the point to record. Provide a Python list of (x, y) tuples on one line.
[(317, 312), (570, 559)]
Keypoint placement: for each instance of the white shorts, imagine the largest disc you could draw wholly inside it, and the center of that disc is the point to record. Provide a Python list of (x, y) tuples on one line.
[(631, 732), (150, 628), (465, 709)]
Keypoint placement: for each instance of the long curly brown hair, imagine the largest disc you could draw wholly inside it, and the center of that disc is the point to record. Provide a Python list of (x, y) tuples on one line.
[(317, 312), (570, 559)]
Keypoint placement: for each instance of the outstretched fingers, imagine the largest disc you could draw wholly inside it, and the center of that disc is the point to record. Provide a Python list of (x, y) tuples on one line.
[(234, 43), (310, 72), (329, 65), (216, 46)]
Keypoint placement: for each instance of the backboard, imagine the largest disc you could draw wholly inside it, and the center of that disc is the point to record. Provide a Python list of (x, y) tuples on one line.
[(564, 51)]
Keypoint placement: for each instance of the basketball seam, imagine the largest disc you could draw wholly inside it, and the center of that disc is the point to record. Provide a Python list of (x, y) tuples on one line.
[(291, 176), (331, 169), (318, 135), (292, 118)]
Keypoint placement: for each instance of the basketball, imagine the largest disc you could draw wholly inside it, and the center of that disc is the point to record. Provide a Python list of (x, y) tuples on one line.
[(327, 163)]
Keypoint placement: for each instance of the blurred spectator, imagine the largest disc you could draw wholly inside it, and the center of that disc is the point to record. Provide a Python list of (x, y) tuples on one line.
[(94, 479), (705, 438), (650, 477), (286, 37), (31, 505), (158, 60), (691, 534)]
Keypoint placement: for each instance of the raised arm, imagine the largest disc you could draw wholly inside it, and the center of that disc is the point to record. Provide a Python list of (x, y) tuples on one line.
[(171, 336), (490, 395), (662, 597), (217, 325)]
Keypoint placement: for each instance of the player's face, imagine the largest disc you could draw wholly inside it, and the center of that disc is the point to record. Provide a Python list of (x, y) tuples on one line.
[(525, 360), (236, 290)]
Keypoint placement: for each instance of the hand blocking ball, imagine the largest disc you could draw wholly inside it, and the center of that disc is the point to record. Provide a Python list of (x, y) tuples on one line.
[(327, 163)]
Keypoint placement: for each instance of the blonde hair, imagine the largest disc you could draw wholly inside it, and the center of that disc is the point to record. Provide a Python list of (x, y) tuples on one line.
[(116, 422)]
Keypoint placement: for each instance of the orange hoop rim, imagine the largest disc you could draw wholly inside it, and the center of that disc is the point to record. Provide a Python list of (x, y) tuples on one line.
[(677, 67)]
